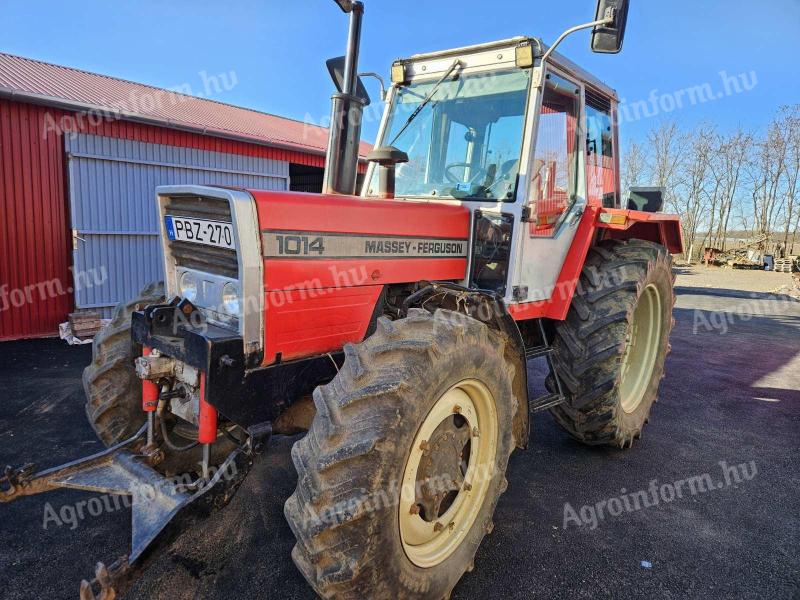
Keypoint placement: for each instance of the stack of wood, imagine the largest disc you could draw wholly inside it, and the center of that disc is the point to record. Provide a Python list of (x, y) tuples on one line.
[(85, 325)]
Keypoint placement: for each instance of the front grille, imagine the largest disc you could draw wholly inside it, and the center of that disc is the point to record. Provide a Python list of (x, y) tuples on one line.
[(213, 209), (217, 261)]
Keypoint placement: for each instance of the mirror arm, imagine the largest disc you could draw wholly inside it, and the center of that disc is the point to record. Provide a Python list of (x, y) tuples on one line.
[(380, 81), (608, 20), (537, 74)]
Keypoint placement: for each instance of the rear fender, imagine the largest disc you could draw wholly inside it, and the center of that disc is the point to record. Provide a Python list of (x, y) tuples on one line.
[(599, 224), (664, 229)]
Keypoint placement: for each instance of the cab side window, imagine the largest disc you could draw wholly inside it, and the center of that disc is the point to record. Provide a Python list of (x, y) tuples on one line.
[(554, 175), (601, 176)]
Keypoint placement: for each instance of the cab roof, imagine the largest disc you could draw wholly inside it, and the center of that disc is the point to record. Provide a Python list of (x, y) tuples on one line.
[(559, 60)]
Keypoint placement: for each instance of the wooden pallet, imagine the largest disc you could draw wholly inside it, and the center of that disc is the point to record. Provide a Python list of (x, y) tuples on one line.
[(784, 265), (85, 325)]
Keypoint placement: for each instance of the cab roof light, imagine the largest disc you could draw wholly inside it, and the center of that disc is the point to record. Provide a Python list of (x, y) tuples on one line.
[(524, 55), (398, 72)]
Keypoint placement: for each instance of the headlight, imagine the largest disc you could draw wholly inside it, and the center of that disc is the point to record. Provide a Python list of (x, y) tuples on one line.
[(188, 286), (230, 299)]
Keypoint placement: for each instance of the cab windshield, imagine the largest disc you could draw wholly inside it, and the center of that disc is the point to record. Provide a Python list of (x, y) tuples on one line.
[(465, 143)]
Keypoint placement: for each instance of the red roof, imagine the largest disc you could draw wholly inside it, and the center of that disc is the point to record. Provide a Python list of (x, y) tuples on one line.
[(45, 83)]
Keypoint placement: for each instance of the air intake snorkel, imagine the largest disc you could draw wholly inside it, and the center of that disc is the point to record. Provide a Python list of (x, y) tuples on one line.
[(341, 163)]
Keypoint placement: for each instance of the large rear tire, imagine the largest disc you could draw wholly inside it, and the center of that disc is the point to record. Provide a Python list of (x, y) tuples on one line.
[(426, 401), (610, 350), (113, 392)]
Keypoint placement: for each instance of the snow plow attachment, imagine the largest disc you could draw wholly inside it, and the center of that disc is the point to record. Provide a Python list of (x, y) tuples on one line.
[(156, 500)]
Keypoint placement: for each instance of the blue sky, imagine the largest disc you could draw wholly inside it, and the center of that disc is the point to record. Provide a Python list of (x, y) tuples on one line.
[(277, 49)]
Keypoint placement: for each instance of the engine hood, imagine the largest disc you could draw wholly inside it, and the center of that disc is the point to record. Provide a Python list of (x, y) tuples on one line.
[(307, 239)]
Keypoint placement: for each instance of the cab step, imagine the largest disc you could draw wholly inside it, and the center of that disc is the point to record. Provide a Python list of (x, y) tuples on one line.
[(538, 352), (545, 402), (546, 351)]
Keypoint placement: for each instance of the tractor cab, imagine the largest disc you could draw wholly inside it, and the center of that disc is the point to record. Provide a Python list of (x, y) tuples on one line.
[(527, 146)]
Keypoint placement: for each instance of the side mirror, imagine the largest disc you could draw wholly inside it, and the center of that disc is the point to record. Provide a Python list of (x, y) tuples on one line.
[(607, 39), (345, 5), (336, 69)]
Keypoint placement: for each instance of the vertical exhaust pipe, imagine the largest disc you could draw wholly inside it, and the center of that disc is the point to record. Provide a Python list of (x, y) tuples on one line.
[(341, 161)]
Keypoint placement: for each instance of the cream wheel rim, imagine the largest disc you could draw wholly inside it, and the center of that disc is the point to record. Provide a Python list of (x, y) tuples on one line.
[(443, 490), (641, 350)]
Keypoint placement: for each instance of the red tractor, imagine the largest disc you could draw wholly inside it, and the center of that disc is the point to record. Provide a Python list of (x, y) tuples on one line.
[(395, 325)]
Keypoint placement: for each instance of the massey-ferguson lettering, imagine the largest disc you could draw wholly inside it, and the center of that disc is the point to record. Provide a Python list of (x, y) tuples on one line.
[(395, 326), (346, 245)]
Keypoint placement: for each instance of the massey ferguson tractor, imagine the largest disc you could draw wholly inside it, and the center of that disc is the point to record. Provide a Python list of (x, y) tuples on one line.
[(395, 326)]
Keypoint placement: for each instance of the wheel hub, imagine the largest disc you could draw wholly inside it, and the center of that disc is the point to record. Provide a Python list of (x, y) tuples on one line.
[(448, 472), (442, 468)]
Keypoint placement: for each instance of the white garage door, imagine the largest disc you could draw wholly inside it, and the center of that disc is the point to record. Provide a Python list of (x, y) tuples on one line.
[(112, 186)]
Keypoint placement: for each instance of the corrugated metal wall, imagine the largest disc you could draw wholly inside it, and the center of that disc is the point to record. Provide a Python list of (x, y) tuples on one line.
[(35, 244), (112, 186)]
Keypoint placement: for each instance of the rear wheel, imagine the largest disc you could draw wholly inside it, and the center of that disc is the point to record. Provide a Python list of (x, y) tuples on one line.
[(402, 468), (610, 350)]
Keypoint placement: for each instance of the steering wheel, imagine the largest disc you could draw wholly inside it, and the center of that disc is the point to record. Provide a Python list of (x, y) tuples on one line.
[(479, 172)]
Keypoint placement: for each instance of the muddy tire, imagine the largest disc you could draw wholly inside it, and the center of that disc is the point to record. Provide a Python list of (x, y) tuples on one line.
[(113, 392), (610, 350), (350, 513)]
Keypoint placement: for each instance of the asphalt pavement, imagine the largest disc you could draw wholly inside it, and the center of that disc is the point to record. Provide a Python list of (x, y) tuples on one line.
[(568, 526)]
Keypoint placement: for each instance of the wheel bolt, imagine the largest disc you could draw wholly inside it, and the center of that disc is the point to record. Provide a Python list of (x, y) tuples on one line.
[(414, 510), (457, 409), (468, 486), (452, 525), (476, 432), (424, 446), (438, 527)]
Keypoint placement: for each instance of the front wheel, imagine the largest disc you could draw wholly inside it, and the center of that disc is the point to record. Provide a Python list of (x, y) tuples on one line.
[(610, 350), (113, 392), (404, 463)]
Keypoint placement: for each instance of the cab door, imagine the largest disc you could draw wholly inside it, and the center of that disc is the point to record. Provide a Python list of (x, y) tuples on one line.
[(556, 194)]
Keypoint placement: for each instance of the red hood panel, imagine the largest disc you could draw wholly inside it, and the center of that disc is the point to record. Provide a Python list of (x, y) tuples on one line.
[(327, 259), (297, 211)]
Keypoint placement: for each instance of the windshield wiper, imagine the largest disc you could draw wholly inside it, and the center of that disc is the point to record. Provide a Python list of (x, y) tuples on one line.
[(426, 101)]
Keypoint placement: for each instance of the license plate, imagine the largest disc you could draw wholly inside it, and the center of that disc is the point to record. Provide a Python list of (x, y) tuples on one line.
[(200, 231)]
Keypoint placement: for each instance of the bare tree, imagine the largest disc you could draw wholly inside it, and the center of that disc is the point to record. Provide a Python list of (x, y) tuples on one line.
[(732, 152), (694, 181), (667, 144), (716, 182), (789, 130), (634, 166), (766, 170), (796, 232), (717, 174)]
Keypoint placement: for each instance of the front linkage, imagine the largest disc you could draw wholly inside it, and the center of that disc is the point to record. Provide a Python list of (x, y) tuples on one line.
[(156, 501)]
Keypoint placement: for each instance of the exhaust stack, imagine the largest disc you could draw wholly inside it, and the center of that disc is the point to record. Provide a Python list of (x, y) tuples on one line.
[(341, 161)]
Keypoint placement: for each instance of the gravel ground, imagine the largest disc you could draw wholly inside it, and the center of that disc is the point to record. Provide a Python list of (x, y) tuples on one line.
[(740, 280), (732, 394)]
